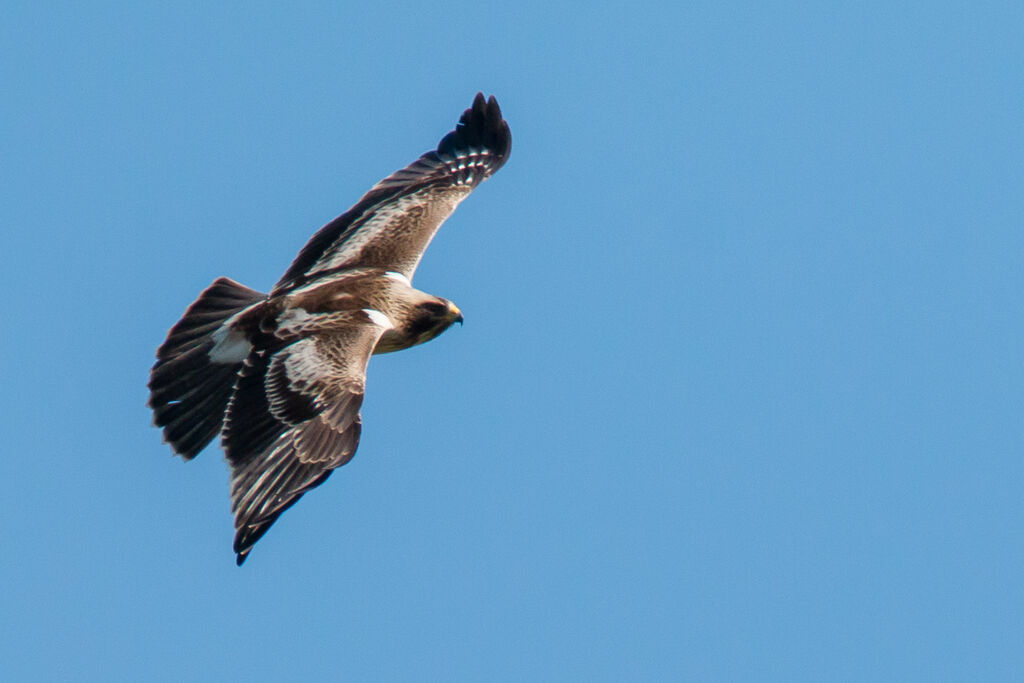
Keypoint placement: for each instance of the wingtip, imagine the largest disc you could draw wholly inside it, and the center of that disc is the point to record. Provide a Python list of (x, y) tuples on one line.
[(481, 125), (242, 547), (492, 106)]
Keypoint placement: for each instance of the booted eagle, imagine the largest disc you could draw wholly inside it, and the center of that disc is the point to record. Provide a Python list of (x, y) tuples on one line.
[(280, 376)]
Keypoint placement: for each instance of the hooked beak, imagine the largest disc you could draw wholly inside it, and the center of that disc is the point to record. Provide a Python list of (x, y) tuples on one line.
[(455, 313)]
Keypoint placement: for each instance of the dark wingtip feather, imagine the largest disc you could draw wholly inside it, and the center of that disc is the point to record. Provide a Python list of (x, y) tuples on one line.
[(480, 127)]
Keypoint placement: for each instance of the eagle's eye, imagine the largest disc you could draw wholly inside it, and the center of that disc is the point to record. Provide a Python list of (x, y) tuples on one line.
[(434, 308)]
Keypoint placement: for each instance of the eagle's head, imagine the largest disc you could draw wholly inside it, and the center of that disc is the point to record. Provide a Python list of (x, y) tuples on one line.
[(420, 323)]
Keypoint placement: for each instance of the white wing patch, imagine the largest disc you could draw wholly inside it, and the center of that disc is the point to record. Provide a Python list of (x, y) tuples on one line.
[(304, 364), (295, 319), (303, 371), (229, 345)]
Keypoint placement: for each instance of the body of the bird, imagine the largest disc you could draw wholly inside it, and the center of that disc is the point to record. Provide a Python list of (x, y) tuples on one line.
[(280, 377)]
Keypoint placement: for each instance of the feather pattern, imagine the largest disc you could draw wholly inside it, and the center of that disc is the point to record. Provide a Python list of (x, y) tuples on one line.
[(392, 224), (294, 417)]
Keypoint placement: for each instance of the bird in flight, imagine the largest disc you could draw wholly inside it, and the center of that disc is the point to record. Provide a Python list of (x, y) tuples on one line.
[(280, 376)]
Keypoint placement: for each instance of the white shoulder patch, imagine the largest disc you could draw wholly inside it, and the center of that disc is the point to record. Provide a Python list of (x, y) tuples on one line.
[(378, 318), (398, 277)]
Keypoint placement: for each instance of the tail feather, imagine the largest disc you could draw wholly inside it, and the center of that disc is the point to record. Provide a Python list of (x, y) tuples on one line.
[(189, 392), (192, 423)]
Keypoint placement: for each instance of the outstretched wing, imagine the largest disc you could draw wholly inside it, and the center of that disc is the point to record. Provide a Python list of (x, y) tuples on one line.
[(392, 224), (294, 418)]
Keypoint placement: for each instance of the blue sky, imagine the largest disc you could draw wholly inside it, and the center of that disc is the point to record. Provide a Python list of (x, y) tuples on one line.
[(740, 390)]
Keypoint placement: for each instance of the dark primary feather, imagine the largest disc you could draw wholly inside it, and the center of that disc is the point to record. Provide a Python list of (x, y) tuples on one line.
[(479, 128), (465, 157), (249, 426)]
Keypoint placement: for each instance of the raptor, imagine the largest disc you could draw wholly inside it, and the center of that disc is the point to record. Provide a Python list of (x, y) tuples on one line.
[(280, 377)]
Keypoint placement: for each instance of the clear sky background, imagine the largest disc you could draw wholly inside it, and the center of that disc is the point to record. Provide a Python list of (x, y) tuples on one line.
[(740, 392)]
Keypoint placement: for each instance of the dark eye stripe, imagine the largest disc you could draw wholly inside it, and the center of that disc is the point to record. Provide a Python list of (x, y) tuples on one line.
[(435, 308)]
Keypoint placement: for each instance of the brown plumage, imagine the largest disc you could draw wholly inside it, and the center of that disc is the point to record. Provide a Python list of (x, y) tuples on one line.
[(280, 377)]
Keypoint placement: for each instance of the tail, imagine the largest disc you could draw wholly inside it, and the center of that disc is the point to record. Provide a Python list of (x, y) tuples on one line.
[(189, 390)]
